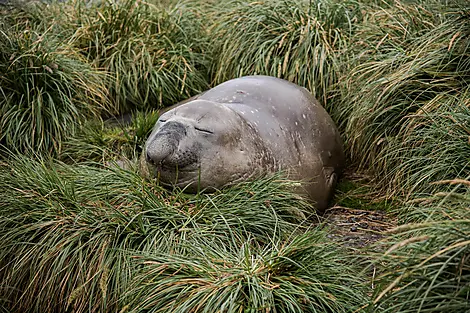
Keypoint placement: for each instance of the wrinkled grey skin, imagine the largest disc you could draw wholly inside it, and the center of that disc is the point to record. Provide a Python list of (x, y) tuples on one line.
[(245, 128)]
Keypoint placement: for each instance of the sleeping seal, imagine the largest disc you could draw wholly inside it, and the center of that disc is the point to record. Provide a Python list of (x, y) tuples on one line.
[(245, 128)]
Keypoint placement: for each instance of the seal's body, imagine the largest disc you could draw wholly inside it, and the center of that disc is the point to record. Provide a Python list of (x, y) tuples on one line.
[(244, 128)]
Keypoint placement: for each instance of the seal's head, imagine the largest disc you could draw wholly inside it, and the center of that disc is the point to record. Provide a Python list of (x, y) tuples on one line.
[(202, 144)]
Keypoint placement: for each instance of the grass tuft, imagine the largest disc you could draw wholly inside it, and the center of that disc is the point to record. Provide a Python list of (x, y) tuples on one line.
[(410, 84), (306, 273), (46, 88), (155, 55), (69, 234), (425, 267), (296, 40)]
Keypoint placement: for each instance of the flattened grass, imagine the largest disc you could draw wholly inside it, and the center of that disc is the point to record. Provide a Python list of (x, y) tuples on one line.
[(111, 140)]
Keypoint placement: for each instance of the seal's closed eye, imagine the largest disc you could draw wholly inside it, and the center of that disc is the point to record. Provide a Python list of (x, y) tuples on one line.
[(211, 141), (204, 130)]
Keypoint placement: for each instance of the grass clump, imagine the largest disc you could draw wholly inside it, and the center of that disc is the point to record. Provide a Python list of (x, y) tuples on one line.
[(435, 147), (112, 140), (46, 88), (69, 234), (426, 266), (155, 55), (409, 86), (296, 40), (306, 273)]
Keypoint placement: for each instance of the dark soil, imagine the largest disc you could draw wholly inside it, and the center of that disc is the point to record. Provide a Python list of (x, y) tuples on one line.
[(357, 228), (360, 215)]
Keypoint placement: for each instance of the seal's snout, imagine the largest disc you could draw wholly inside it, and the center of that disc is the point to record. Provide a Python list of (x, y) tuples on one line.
[(160, 150), (164, 143)]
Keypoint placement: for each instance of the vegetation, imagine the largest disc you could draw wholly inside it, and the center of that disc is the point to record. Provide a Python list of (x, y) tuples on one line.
[(428, 271), (71, 233), (112, 140), (296, 40), (46, 88), (80, 234), (154, 55), (303, 274), (410, 84)]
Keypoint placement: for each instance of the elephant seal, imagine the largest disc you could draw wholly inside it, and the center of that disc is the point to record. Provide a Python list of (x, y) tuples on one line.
[(245, 128)]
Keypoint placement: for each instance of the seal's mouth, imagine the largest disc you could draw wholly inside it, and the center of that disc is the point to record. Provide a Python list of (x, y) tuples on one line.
[(173, 169), (171, 176)]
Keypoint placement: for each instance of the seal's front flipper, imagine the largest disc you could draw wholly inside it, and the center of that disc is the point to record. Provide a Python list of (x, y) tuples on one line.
[(331, 178)]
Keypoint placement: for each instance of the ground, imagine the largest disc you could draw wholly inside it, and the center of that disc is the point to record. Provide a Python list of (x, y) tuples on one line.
[(359, 216)]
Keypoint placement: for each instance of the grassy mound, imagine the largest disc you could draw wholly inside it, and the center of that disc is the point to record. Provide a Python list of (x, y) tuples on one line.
[(297, 40), (303, 274), (74, 233), (427, 268), (46, 87), (410, 86), (154, 54)]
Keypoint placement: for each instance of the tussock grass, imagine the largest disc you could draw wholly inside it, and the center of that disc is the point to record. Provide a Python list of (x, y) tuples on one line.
[(113, 139), (93, 237), (434, 147), (155, 55), (410, 83), (151, 53), (297, 40), (69, 234), (302, 274), (46, 88), (426, 266)]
